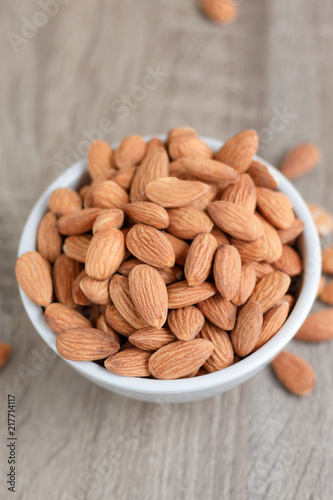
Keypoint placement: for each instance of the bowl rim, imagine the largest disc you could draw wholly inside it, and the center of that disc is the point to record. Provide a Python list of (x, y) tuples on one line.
[(240, 370)]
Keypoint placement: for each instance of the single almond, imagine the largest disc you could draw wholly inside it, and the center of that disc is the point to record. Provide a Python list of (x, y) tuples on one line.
[(150, 245), (104, 327), (170, 192), (261, 269), (289, 262), (176, 132), (246, 332), (270, 290), (326, 294), (149, 294), (108, 219), (117, 322), (185, 145), (238, 151), (180, 294), (64, 273), (85, 344), (99, 159), (121, 297), (109, 194), (153, 144), (151, 338), (124, 177), (200, 258), (220, 11), (180, 247), (179, 359), (294, 373), (130, 362), (64, 201), (78, 222), (318, 327), (223, 354), (300, 160), (227, 271), (205, 199), (275, 207), (251, 251), (246, 284), (148, 213), (208, 170), (76, 247), (242, 193), (78, 295), (322, 218), (235, 220), (219, 236), (327, 258), (4, 353), (105, 253), (261, 176), (131, 151), (59, 318), (97, 291), (219, 311), (272, 322), (186, 322), (289, 299), (154, 166), (272, 240), (177, 170), (33, 275), (49, 241), (169, 274), (293, 232), (188, 222)]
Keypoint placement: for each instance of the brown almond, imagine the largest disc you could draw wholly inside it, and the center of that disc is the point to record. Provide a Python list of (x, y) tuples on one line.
[(33, 275), (131, 151), (289, 262), (275, 207), (150, 245), (261, 269), (251, 251), (186, 322), (59, 318), (170, 192), (205, 199), (124, 177), (300, 160), (105, 253), (64, 273), (219, 236), (104, 327), (117, 322), (293, 232), (78, 222), (223, 354), (246, 284), (238, 151), (154, 166), (76, 247), (208, 170), (176, 132), (227, 271), (220, 11), (188, 222), (261, 176), (273, 321), (64, 201), (323, 219), (326, 294), (270, 290), (235, 220), (327, 257), (179, 359), (4, 353), (108, 219), (99, 159), (97, 291), (272, 240), (85, 344), (242, 193), (289, 299), (49, 241), (246, 332), (169, 274), (219, 311), (180, 247), (182, 295), (151, 338), (294, 373), (318, 327), (148, 213), (121, 297), (200, 258), (109, 194), (153, 144), (78, 295), (185, 145), (131, 362)]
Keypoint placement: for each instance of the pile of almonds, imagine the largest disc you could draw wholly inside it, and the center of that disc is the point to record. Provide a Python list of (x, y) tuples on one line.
[(173, 262)]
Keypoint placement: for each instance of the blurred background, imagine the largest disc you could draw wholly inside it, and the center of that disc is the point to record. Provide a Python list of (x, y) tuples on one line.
[(74, 71)]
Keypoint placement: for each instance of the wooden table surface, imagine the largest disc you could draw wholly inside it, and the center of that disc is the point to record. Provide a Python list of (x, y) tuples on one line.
[(273, 71)]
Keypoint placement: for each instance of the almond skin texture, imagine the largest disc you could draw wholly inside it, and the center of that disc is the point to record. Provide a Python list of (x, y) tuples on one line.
[(251, 250), (105, 254), (200, 258), (219, 311), (223, 354), (185, 145), (49, 241), (170, 192), (104, 327), (272, 240), (151, 339), (149, 294), (323, 219), (130, 152), (246, 285), (219, 236), (108, 219), (33, 275), (261, 176), (180, 247), (121, 297), (59, 318), (4, 353), (235, 220), (109, 194), (154, 166), (186, 322), (150, 245), (318, 327), (208, 170), (153, 144), (270, 290), (275, 207), (64, 273), (242, 193), (326, 295), (124, 177), (179, 359), (261, 269), (245, 335), (175, 132), (117, 322), (220, 11), (294, 373), (64, 201), (273, 321), (78, 295), (188, 222), (205, 199), (131, 362), (147, 213), (300, 160), (76, 247), (180, 294), (289, 262), (238, 151), (327, 256), (293, 232), (99, 159), (78, 222), (227, 271), (97, 291), (85, 344)]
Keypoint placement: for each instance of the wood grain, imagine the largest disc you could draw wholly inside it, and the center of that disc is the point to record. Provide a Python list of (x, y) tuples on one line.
[(77, 441)]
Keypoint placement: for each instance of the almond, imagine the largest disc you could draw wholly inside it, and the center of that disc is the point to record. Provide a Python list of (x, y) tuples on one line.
[(294, 373), (219, 311), (223, 354), (149, 294), (78, 222), (261, 176), (246, 285), (177, 170), (220, 11), (179, 358), (33, 275), (185, 145), (124, 177), (238, 151), (242, 193), (235, 220), (293, 232), (205, 199), (273, 321), (327, 293), (275, 207), (272, 240), (151, 338), (154, 166), (318, 327), (245, 335), (153, 144), (169, 274), (322, 218), (121, 297), (104, 327), (64, 201), (130, 152), (186, 322), (59, 318), (270, 290), (180, 294), (200, 258), (76, 247), (180, 247), (176, 132), (109, 194), (327, 256), (97, 291), (261, 269), (99, 159), (251, 251), (108, 219), (227, 271), (117, 322), (208, 170), (150, 245), (84, 191), (289, 299), (49, 241), (132, 362), (219, 236), (148, 213), (300, 160), (321, 287), (170, 192), (78, 295), (64, 273), (289, 262), (188, 222), (105, 254), (85, 344), (4, 353)]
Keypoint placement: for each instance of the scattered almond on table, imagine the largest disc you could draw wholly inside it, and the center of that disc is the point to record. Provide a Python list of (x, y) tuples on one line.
[(4, 353)]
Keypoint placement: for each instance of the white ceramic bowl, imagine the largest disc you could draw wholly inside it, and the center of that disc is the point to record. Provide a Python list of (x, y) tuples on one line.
[(191, 389)]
